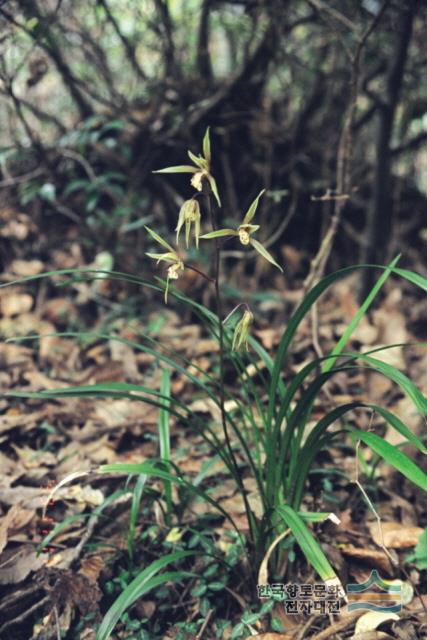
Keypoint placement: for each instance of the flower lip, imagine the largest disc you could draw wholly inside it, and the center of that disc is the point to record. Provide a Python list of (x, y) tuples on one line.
[(197, 179), (245, 231), (174, 269)]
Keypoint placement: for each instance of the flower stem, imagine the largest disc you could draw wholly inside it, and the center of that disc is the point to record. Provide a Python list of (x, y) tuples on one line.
[(218, 298), (201, 273)]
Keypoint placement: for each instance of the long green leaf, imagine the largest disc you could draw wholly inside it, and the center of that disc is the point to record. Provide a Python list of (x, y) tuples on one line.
[(328, 364), (164, 436), (151, 470), (309, 546), (159, 239), (134, 512), (393, 456), (303, 309), (143, 583), (315, 442)]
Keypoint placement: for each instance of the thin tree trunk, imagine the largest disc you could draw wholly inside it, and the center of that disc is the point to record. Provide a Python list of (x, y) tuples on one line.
[(203, 58), (49, 44), (129, 48), (378, 224)]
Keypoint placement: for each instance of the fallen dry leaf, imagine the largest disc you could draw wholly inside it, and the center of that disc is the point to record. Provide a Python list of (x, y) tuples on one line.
[(373, 635), (371, 556), (91, 566), (371, 620), (24, 268), (16, 304), (14, 355), (60, 311), (396, 535), (271, 636), (15, 519), (17, 565), (123, 353)]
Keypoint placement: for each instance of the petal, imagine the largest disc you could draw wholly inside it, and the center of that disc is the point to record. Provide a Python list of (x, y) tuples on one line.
[(265, 254), (182, 168), (207, 146), (214, 189), (198, 161), (158, 239), (252, 209), (219, 233)]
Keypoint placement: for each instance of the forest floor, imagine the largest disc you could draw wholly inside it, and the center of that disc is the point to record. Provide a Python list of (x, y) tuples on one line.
[(65, 590)]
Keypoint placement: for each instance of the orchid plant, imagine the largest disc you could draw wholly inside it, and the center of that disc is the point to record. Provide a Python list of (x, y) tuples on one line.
[(272, 431), (190, 216)]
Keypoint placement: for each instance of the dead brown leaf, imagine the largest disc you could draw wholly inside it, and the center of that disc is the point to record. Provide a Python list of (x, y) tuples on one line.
[(15, 519), (372, 556), (396, 535), (272, 636), (91, 566), (25, 268), (15, 304), (15, 355), (60, 311), (16, 565), (123, 353)]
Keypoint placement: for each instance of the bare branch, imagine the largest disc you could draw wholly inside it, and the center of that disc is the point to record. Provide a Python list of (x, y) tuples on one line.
[(128, 47)]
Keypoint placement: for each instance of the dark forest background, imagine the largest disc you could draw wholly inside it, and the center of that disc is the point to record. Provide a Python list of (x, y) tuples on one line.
[(322, 102)]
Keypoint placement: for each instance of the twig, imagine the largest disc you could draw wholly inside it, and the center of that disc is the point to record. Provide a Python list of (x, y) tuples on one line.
[(345, 153), (68, 153), (65, 211), (343, 623), (368, 500), (57, 625), (302, 633), (340, 17), (343, 178), (24, 615), (204, 625), (201, 273), (10, 181)]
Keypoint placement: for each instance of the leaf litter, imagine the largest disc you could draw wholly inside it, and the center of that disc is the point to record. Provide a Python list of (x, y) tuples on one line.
[(44, 441)]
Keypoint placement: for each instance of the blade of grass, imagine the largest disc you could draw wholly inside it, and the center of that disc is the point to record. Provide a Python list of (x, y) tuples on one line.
[(303, 309), (134, 511), (393, 456), (309, 546), (164, 439), (144, 582), (150, 470), (328, 364)]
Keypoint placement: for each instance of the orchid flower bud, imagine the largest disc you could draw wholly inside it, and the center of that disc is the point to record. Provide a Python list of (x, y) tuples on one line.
[(189, 214), (241, 331)]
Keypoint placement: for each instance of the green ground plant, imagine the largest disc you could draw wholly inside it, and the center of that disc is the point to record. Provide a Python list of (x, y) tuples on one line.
[(267, 434)]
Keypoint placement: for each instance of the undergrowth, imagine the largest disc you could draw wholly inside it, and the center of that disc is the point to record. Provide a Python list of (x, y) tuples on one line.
[(267, 435)]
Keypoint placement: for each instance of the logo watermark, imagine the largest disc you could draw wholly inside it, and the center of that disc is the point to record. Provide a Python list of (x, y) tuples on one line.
[(375, 594), (387, 597), (303, 598)]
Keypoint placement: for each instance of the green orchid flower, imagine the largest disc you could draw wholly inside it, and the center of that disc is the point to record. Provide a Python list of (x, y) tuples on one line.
[(244, 232), (189, 215), (201, 170), (241, 331), (171, 256)]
